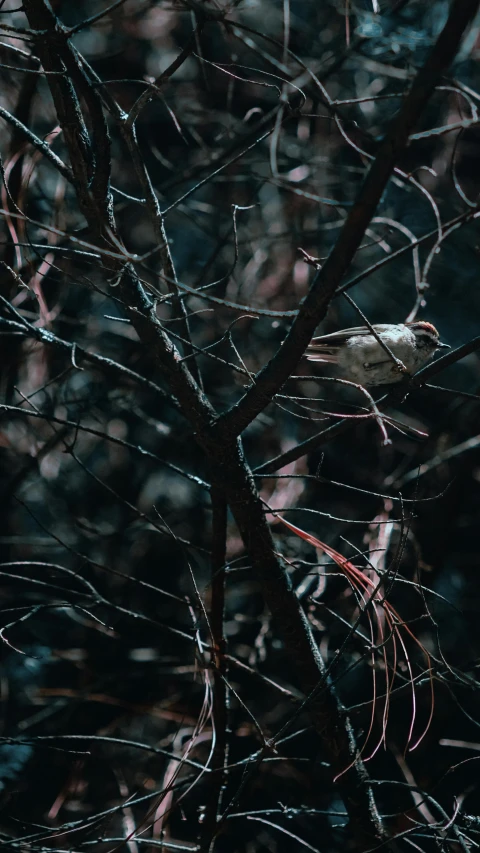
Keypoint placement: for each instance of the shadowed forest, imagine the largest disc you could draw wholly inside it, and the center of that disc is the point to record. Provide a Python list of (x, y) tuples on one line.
[(239, 594)]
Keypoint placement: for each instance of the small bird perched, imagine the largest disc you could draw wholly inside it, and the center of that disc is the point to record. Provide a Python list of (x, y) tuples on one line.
[(362, 359)]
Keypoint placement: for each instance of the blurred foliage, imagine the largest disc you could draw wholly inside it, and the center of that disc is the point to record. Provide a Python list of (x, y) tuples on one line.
[(105, 527)]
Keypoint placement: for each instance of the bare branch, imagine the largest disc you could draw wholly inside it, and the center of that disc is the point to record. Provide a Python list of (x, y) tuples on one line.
[(314, 307)]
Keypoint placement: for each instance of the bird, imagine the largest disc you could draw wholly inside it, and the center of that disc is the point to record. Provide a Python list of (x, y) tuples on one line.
[(362, 359)]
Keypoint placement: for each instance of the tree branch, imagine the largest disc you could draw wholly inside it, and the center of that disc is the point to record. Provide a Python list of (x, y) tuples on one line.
[(314, 308), (217, 780), (329, 718), (343, 425)]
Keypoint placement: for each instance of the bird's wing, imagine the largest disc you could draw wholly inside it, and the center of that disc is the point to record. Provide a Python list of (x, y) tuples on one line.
[(336, 339), (326, 356)]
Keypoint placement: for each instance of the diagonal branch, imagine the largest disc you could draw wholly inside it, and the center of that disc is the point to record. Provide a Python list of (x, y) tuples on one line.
[(343, 425), (332, 724), (314, 308), (222, 450), (95, 200)]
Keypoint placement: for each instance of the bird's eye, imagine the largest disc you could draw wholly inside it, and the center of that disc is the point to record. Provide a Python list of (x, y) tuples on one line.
[(425, 342)]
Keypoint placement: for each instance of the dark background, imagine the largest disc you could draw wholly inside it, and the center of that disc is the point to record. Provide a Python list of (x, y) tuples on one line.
[(105, 550)]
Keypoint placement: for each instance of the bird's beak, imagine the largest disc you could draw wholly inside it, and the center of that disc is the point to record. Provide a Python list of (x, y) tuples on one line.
[(445, 346)]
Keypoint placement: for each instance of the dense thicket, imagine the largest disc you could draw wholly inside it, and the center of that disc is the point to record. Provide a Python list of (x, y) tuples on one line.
[(239, 600)]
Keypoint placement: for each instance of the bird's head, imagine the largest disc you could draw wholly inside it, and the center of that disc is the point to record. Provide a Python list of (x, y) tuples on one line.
[(426, 335)]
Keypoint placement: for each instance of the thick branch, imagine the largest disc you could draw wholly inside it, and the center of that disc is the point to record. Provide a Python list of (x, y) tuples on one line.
[(328, 716), (225, 457), (56, 54), (51, 46), (314, 308)]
